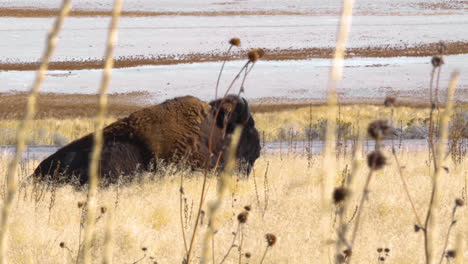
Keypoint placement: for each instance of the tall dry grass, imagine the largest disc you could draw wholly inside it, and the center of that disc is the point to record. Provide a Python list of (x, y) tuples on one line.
[(273, 125), (98, 136), (335, 76), (30, 110), (145, 214)]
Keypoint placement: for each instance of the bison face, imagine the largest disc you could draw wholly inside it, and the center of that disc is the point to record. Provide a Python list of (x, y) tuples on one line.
[(232, 111)]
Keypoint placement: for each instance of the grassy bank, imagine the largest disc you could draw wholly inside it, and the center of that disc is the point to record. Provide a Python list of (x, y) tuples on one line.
[(275, 123)]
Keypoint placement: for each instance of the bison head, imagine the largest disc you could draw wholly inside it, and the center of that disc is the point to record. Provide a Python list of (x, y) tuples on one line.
[(230, 112)]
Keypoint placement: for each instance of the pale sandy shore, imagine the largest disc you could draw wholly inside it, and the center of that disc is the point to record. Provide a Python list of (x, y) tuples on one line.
[(300, 36), (364, 80)]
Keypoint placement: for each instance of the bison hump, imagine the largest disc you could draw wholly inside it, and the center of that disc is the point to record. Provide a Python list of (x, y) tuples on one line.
[(170, 129)]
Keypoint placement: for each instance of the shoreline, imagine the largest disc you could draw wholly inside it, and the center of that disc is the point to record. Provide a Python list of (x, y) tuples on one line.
[(423, 50)]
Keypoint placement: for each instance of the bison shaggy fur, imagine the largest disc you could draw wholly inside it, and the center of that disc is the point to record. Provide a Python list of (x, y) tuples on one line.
[(176, 131)]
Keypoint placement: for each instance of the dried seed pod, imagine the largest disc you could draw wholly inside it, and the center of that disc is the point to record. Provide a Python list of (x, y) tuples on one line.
[(437, 61), (62, 244), (271, 239), (379, 129), (235, 42), (253, 55), (248, 207), (459, 202), (376, 160), (340, 194), (347, 252), (242, 217), (451, 254)]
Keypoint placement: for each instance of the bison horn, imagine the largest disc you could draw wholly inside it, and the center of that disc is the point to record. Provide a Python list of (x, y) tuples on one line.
[(246, 109)]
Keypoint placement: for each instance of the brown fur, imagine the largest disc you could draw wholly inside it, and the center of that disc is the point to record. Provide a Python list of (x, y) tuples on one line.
[(175, 131)]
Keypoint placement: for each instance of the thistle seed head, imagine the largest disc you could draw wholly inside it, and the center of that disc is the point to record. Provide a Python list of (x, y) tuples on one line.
[(242, 217), (253, 55), (451, 254), (347, 252), (340, 194), (376, 160), (379, 129), (271, 239), (235, 42), (437, 61)]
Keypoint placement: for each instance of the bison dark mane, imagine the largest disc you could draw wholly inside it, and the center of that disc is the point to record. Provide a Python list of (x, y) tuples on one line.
[(175, 131)]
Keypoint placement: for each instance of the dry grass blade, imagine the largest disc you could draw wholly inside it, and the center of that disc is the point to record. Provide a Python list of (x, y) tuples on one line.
[(98, 135), (430, 222), (24, 125), (224, 182), (460, 248), (108, 246), (350, 185), (329, 162)]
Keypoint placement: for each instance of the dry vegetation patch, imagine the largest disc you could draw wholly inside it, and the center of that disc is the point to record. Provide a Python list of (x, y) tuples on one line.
[(62, 118), (63, 106), (27, 12), (284, 201)]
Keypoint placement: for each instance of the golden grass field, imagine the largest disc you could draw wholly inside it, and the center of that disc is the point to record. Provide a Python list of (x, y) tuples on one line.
[(152, 219), (285, 201), (72, 116)]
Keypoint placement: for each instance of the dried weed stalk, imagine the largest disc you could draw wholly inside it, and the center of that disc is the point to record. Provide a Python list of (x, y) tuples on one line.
[(24, 125), (98, 135), (378, 130), (343, 204), (108, 243), (332, 98), (430, 221), (224, 182), (233, 42)]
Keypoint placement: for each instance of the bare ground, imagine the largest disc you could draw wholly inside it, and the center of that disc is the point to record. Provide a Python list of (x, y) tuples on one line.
[(440, 9), (63, 106), (422, 50), (53, 105)]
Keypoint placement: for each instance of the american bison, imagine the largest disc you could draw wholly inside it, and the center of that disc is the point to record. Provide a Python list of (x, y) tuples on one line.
[(175, 131)]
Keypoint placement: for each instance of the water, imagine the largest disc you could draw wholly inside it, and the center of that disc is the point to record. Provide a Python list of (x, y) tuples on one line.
[(297, 147)]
